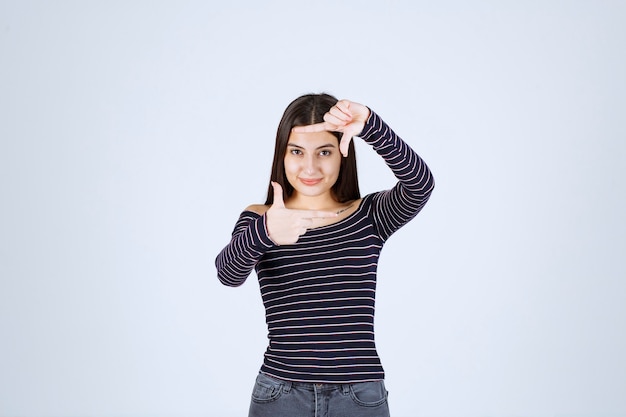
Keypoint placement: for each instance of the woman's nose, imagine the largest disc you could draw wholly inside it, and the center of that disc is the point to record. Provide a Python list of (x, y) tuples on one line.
[(310, 165)]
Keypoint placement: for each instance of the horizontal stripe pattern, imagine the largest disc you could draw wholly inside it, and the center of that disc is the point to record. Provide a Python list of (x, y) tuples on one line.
[(319, 293)]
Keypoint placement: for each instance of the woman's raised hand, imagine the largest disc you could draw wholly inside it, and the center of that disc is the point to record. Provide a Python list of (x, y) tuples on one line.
[(285, 226), (346, 117)]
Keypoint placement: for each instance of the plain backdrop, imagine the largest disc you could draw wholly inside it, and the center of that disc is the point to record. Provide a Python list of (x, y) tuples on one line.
[(133, 133)]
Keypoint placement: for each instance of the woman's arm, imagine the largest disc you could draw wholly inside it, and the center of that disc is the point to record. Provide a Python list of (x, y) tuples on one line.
[(249, 242), (394, 208)]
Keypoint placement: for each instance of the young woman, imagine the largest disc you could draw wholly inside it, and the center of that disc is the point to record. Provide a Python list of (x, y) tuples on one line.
[(315, 245)]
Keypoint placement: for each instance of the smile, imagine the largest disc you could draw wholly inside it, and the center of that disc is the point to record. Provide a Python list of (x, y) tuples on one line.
[(310, 182)]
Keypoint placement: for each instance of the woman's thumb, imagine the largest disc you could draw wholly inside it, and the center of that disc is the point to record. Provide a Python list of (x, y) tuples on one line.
[(278, 195)]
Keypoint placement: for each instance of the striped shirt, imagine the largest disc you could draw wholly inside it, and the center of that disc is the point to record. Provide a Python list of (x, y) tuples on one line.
[(319, 293)]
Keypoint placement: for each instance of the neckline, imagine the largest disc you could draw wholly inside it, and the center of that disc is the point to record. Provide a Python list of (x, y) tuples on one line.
[(349, 216), (356, 210)]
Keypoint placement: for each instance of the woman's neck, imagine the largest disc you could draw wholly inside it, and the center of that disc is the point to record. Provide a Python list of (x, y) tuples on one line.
[(322, 202)]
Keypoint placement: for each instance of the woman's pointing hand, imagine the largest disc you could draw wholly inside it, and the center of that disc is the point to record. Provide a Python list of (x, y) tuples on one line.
[(284, 225), (346, 117)]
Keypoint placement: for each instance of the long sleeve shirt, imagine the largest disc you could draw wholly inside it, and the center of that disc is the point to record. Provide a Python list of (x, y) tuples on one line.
[(319, 293)]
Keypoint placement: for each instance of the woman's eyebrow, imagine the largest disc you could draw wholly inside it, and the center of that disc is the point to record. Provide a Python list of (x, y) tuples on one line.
[(327, 145)]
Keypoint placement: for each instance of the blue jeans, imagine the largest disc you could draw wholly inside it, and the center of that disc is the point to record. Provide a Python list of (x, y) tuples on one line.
[(273, 397)]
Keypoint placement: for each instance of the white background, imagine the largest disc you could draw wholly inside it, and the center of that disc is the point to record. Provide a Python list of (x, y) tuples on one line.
[(134, 133)]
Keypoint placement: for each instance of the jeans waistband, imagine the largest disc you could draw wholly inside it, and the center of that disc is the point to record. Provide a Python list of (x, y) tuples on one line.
[(310, 386)]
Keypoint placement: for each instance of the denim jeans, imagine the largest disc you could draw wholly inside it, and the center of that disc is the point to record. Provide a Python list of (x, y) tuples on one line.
[(273, 397)]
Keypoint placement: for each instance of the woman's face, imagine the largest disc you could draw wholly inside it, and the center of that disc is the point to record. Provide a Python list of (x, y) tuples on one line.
[(312, 163)]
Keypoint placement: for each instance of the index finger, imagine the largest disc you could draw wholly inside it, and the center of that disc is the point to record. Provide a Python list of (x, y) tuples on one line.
[(317, 127)]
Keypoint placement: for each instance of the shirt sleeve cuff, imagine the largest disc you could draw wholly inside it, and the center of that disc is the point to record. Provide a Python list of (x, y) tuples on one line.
[(372, 126), (259, 234)]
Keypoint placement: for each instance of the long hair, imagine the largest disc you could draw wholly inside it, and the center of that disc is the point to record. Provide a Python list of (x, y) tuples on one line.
[(305, 110)]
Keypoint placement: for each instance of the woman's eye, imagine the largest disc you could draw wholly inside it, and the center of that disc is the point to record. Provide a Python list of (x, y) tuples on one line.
[(296, 152), (325, 153)]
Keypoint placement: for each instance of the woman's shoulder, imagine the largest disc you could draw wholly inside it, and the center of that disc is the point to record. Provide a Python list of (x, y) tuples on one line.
[(259, 209)]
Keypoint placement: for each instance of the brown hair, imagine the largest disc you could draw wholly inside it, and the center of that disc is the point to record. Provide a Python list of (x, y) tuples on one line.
[(305, 110)]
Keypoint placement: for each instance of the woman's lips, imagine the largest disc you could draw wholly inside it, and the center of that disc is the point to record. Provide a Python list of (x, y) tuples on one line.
[(310, 181)]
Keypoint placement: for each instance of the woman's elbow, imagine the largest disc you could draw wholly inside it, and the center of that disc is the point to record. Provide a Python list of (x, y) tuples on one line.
[(229, 280)]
